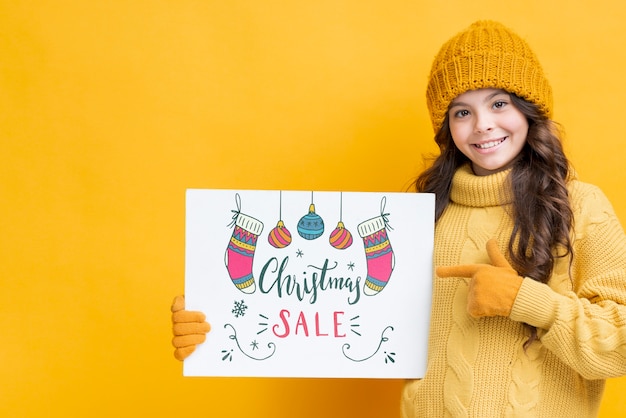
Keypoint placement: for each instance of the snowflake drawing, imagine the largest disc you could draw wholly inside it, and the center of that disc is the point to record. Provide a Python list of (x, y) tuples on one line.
[(239, 309)]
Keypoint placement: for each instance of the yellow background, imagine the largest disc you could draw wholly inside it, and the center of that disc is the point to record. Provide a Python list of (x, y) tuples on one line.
[(110, 109)]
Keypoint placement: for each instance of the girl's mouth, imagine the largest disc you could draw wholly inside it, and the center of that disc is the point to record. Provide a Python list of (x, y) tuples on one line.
[(490, 144)]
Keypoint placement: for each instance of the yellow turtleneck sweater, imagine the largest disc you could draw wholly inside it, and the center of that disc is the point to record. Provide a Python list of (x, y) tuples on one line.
[(477, 367)]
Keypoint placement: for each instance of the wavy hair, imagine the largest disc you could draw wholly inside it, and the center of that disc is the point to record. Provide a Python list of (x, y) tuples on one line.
[(541, 210)]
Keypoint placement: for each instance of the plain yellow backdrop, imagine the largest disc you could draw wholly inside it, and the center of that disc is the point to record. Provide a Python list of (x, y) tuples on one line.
[(110, 109)]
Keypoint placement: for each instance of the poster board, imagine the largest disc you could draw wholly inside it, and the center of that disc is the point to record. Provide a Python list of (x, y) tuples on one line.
[(310, 284)]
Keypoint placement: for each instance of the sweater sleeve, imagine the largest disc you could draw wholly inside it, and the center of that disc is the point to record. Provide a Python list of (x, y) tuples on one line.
[(585, 327)]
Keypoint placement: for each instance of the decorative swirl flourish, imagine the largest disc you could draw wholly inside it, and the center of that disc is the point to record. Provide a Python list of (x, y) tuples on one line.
[(233, 337), (383, 339)]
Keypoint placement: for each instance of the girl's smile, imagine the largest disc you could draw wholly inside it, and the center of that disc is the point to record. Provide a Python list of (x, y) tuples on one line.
[(490, 144)]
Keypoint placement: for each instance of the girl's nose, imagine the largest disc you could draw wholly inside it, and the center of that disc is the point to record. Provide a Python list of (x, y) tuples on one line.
[(483, 123)]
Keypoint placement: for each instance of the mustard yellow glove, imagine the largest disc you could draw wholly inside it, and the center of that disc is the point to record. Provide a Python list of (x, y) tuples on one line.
[(492, 287), (189, 327)]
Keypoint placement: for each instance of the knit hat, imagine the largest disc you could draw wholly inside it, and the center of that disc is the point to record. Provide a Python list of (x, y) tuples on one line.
[(485, 55)]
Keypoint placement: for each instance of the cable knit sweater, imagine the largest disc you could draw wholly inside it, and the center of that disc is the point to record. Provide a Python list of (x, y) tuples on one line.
[(477, 367)]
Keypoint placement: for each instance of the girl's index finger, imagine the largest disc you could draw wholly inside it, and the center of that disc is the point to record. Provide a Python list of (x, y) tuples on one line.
[(467, 270)]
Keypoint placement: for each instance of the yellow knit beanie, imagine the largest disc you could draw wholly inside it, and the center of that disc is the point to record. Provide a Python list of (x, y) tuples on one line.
[(485, 55)]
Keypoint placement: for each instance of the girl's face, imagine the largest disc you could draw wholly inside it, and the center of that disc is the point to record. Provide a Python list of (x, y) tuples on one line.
[(488, 129)]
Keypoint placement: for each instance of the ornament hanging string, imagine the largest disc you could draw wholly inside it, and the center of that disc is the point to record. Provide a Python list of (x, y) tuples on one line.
[(341, 207)]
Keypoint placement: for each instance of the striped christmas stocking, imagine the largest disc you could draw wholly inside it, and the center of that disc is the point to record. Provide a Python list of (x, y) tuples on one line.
[(378, 253), (240, 252)]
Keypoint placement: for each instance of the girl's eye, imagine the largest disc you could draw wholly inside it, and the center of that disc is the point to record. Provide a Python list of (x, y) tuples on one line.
[(461, 113), (499, 104)]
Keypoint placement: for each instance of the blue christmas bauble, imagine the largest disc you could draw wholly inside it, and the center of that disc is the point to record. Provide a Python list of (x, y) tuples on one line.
[(311, 225)]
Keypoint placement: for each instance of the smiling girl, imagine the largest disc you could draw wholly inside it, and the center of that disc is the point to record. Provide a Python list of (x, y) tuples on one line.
[(529, 296)]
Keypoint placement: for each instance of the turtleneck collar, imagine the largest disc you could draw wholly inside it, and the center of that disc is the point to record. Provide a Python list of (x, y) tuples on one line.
[(468, 189)]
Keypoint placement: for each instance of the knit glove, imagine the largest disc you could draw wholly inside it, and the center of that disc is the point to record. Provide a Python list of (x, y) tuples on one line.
[(492, 287), (190, 328)]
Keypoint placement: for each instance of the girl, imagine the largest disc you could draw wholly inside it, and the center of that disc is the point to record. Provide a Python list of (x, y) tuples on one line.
[(535, 333), (529, 297)]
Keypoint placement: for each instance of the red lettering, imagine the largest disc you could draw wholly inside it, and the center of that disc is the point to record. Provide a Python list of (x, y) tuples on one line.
[(317, 326), (337, 323), (284, 314), (302, 323), (302, 326)]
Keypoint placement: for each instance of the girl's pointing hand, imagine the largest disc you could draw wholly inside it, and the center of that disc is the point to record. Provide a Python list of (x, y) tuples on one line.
[(492, 287)]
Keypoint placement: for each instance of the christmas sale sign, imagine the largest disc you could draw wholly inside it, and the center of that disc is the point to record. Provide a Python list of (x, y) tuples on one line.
[(310, 283)]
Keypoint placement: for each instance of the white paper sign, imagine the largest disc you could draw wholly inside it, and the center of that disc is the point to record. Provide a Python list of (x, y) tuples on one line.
[(310, 284)]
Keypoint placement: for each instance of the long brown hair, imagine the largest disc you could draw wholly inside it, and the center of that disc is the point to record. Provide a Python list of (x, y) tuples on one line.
[(541, 209)]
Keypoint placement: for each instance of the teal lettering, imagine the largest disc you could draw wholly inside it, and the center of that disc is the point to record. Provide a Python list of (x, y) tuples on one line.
[(320, 280)]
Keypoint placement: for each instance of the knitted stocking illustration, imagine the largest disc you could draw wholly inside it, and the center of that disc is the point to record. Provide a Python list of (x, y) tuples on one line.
[(240, 251), (378, 253)]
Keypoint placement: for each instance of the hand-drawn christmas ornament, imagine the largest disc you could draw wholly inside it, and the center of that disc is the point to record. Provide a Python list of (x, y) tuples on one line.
[(311, 225), (279, 237), (378, 252), (340, 238), (241, 247)]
